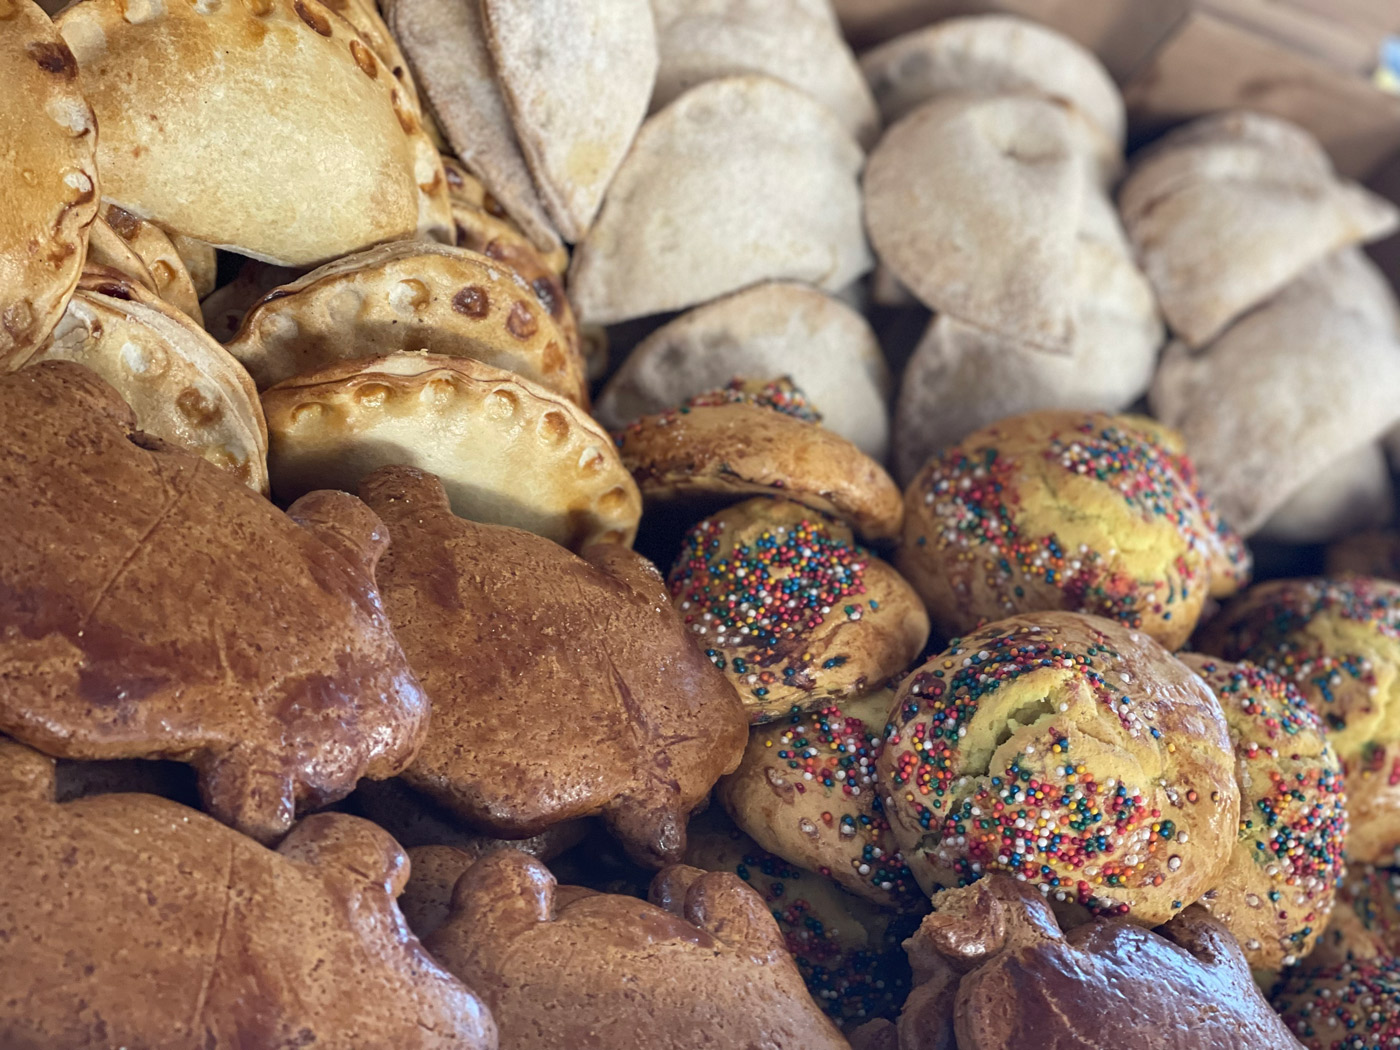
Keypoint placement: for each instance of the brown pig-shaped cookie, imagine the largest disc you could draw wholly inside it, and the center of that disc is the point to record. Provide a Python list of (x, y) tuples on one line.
[(993, 971), (154, 606), (132, 921), (565, 968), (562, 686)]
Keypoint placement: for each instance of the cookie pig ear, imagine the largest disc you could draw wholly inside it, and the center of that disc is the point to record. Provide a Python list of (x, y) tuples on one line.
[(629, 567), (1208, 941), (726, 907), (504, 889), (344, 524), (337, 840), (966, 928), (24, 771), (651, 829), (394, 490)]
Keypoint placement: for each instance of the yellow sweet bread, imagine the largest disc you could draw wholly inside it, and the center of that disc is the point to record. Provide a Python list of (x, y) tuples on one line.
[(1067, 510)]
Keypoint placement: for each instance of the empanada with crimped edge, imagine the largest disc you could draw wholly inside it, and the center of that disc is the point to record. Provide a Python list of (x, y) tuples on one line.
[(509, 452), (269, 88), (50, 136), (184, 387), (411, 295), (740, 180), (173, 281)]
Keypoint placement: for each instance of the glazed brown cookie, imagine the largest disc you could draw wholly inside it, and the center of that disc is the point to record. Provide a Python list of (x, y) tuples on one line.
[(1278, 891), (1070, 752), (187, 617), (128, 920), (559, 966), (562, 686), (1068, 510), (1338, 641), (759, 437), (783, 601), (992, 969), (806, 790)]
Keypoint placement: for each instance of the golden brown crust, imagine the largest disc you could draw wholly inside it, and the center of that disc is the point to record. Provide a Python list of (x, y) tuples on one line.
[(106, 249), (49, 197), (556, 964), (1277, 893), (508, 451), (791, 609), (735, 450), (496, 621), (288, 77), (285, 688), (1338, 641), (183, 386), (133, 921), (1067, 510), (1135, 803), (410, 296)]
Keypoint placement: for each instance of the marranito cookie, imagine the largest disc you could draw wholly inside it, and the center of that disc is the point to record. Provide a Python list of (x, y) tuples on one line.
[(704, 963), (411, 295), (51, 192), (509, 452), (783, 601), (286, 689), (497, 622), (236, 944)]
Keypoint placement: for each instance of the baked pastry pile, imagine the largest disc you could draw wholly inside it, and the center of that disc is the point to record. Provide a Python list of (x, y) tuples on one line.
[(469, 577)]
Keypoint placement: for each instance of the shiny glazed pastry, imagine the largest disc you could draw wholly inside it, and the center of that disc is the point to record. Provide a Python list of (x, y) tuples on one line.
[(1338, 641), (1068, 510), (497, 622), (562, 967), (1278, 891), (787, 605), (132, 921), (993, 971), (806, 791), (1070, 752), (759, 437), (282, 690)]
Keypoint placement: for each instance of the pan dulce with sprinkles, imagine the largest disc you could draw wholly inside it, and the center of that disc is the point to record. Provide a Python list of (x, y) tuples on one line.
[(385, 693), (1068, 751), (1068, 510)]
